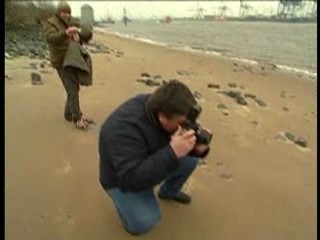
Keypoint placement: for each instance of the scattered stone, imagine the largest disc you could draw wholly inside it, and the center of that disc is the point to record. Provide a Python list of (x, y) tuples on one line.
[(144, 74), (241, 87), (290, 136), (232, 85), (301, 142), (36, 79), (221, 106), (261, 103), (232, 94), (141, 80), (216, 86), (151, 82), (249, 95), (197, 95), (285, 109), (157, 77), (241, 101), (42, 65), (235, 64), (225, 112), (255, 122)]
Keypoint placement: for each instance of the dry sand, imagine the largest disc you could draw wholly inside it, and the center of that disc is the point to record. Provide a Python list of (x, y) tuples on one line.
[(253, 186)]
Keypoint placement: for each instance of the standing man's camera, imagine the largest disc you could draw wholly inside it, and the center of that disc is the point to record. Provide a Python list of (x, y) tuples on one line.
[(203, 136)]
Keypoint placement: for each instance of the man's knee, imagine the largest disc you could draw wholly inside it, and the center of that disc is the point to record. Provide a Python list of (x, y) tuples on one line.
[(188, 164), (142, 224)]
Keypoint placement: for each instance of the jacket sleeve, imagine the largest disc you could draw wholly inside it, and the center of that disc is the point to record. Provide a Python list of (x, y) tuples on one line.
[(53, 36), (136, 169)]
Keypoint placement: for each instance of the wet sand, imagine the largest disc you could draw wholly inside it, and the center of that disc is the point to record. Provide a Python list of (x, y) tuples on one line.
[(255, 184)]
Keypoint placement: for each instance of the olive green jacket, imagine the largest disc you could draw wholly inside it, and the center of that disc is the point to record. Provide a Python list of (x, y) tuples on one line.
[(58, 40), (78, 58)]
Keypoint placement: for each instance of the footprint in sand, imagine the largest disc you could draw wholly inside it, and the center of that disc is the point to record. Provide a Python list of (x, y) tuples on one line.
[(66, 220), (227, 176), (64, 168), (222, 164)]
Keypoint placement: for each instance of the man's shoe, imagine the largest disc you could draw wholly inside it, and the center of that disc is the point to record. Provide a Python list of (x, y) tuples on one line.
[(81, 124), (180, 197)]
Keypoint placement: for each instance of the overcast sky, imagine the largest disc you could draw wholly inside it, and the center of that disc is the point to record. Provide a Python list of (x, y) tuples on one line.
[(160, 9)]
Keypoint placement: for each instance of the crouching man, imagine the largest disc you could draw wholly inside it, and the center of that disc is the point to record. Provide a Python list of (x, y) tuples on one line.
[(143, 143)]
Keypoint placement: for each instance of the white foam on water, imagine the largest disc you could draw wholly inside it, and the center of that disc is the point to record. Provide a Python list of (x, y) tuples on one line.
[(313, 75)]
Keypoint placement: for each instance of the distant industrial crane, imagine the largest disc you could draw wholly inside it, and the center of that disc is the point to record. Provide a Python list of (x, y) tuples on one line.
[(224, 10), (199, 12), (244, 9), (289, 8)]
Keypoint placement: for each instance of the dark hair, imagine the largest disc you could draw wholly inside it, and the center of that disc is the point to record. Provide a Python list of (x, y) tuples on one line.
[(173, 98)]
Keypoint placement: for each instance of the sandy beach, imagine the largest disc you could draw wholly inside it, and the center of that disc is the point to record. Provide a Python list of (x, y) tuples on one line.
[(256, 184)]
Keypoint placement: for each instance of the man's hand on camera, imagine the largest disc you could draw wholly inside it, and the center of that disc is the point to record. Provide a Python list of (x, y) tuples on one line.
[(71, 30), (182, 142), (200, 148)]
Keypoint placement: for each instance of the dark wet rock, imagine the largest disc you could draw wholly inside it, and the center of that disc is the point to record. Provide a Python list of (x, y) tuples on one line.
[(141, 80), (236, 95), (232, 85), (36, 79), (301, 142), (241, 101), (144, 74), (42, 65), (285, 109), (197, 95), (255, 122), (249, 95), (152, 82), (25, 41), (222, 106), (290, 136), (216, 86), (232, 94), (261, 103)]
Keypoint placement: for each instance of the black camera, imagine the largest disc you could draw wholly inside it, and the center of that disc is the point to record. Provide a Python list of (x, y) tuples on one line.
[(203, 136)]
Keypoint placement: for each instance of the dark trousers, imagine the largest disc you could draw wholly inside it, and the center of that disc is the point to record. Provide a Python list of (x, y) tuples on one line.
[(71, 84)]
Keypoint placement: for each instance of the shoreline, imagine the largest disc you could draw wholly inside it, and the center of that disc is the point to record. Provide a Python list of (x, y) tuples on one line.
[(281, 67)]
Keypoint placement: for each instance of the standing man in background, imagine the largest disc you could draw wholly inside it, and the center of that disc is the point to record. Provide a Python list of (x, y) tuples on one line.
[(59, 31)]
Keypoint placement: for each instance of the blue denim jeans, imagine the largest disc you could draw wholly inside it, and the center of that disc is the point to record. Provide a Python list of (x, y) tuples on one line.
[(139, 211)]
